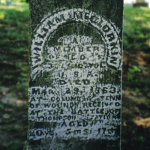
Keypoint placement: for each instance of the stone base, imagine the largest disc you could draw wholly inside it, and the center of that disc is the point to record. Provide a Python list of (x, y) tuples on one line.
[(74, 144), (140, 4)]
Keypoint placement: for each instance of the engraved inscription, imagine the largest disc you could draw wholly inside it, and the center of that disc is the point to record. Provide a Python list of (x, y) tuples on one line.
[(85, 114), (81, 99), (107, 31)]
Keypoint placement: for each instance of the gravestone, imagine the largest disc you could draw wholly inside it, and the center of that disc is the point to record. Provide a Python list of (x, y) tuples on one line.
[(140, 3), (75, 74)]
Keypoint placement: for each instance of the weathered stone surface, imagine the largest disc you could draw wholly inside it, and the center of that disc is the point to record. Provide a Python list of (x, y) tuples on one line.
[(75, 77)]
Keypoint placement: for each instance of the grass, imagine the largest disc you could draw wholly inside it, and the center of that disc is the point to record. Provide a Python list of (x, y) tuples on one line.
[(136, 41), (14, 43), (136, 29)]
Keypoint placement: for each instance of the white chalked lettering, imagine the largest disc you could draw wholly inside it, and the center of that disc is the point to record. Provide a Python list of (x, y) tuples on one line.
[(78, 99)]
